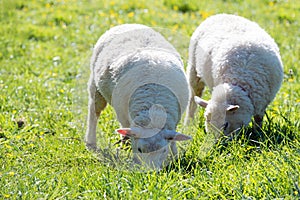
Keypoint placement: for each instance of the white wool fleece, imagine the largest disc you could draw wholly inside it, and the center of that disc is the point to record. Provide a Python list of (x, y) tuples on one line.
[(141, 75), (231, 50), (125, 73)]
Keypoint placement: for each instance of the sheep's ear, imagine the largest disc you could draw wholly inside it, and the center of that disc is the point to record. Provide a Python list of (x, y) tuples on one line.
[(200, 102), (175, 136), (125, 131), (181, 137), (231, 108)]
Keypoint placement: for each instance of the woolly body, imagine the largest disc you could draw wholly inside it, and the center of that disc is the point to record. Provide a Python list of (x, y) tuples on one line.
[(141, 75), (235, 55)]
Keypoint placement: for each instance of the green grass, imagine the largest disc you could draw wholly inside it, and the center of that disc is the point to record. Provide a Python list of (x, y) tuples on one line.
[(44, 65)]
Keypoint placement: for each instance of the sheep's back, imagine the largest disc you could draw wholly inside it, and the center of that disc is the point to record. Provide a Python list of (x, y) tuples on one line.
[(144, 68), (231, 49), (253, 66), (130, 56), (148, 95), (220, 33), (121, 41)]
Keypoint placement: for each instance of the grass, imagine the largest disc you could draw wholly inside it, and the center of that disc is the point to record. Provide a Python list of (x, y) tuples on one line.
[(44, 58)]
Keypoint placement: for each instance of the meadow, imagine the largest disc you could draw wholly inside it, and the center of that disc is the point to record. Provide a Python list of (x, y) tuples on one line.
[(44, 67)]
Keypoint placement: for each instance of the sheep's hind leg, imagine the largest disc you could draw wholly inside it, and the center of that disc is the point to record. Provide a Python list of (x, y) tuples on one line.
[(196, 89), (96, 104)]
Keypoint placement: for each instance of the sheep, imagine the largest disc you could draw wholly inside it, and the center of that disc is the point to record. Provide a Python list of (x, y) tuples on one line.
[(241, 64), (140, 74)]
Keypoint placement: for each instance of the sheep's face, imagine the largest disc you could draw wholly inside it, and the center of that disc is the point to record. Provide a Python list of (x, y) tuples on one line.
[(223, 118), (236, 118), (226, 119), (151, 147), (152, 152)]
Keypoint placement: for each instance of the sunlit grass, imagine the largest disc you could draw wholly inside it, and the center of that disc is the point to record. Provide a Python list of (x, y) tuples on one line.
[(44, 58)]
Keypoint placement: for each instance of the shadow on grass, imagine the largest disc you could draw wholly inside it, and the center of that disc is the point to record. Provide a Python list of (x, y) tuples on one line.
[(272, 136)]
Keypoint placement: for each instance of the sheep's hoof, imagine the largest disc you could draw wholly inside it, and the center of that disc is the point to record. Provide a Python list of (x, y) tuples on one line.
[(91, 147)]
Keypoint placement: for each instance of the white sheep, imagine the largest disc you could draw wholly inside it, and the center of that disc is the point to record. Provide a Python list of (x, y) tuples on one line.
[(241, 63), (141, 75)]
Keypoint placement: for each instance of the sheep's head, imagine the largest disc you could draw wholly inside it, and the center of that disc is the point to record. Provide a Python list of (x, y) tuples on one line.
[(224, 117), (151, 143), (151, 147)]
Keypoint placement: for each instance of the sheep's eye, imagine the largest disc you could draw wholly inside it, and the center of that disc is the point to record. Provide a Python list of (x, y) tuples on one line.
[(170, 138), (140, 150)]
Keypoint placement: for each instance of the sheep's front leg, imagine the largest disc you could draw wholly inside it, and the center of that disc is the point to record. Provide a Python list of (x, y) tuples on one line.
[(96, 104), (258, 122), (196, 89), (174, 151)]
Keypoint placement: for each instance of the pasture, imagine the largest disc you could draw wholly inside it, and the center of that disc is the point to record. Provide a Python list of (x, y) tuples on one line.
[(44, 67)]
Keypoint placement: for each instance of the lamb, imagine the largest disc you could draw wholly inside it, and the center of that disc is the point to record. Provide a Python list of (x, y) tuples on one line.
[(241, 63), (141, 75)]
